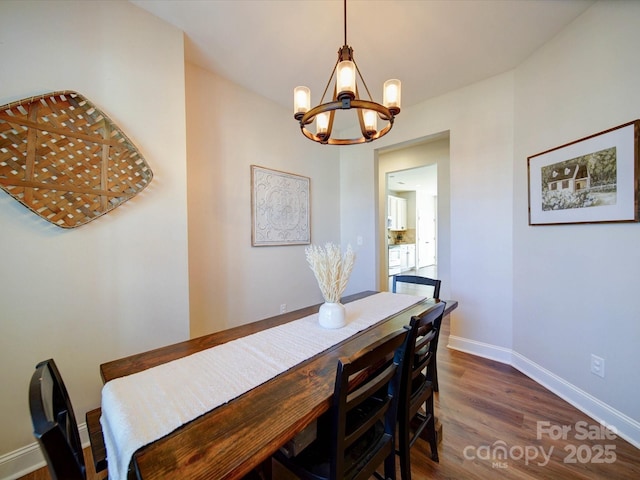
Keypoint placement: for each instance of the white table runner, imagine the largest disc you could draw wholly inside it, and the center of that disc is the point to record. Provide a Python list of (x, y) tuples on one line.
[(141, 408)]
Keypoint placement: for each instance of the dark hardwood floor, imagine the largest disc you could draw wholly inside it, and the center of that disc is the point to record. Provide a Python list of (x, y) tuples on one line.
[(487, 408)]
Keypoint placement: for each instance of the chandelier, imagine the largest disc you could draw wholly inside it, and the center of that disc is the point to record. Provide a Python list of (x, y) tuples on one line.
[(346, 97)]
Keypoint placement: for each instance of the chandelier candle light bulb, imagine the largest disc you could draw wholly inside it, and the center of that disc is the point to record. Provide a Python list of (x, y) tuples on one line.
[(370, 121), (346, 73), (322, 124), (332, 271), (302, 96), (391, 95)]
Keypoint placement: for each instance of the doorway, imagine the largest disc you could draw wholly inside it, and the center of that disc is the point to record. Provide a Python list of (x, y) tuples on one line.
[(412, 240), (414, 175)]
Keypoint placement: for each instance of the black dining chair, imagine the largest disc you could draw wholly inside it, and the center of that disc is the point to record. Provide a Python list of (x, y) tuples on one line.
[(357, 435), (55, 427), (416, 387), (432, 282), (418, 280)]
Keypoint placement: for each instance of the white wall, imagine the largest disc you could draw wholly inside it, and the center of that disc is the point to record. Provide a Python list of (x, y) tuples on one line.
[(575, 286), (119, 284), (229, 129), (477, 253)]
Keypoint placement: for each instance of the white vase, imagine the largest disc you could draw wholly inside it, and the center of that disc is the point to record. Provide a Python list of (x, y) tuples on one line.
[(332, 315)]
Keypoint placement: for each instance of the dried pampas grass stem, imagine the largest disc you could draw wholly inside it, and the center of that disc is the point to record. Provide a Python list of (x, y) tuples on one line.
[(331, 269)]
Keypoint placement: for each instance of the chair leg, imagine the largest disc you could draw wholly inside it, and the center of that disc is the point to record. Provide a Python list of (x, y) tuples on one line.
[(433, 441), (264, 471), (404, 449), (390, 467), (432, 435)]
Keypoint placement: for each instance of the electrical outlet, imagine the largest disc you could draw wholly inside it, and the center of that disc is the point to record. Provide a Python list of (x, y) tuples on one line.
[(597, 365), (283, 308)]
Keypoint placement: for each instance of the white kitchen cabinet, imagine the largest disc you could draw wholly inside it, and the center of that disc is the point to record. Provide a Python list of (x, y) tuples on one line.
[(402, 214), (407, 256), (411, 256), (395, 260), (404, 265), (391, 212), (397, 213)]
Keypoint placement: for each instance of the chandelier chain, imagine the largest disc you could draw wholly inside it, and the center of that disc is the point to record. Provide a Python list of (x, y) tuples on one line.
[(345, 22)]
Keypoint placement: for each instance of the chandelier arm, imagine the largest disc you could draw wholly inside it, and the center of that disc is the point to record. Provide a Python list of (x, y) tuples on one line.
[(363, 129), (362, 78), (325, 137), (333, 72), (360, 114)]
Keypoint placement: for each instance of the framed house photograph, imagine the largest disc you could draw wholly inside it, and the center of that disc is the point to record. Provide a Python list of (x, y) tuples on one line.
[(280, 208), (591, 180)]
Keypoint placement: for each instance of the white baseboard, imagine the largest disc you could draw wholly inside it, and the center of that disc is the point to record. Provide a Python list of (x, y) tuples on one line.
[(20, 462), (485, 350), (29, 458), (625, 426)]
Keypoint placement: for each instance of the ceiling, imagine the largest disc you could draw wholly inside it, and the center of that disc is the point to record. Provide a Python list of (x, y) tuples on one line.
[(421, 178), (432, 46)]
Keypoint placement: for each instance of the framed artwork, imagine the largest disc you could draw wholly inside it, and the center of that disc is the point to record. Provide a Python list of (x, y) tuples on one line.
[(591, 180), (280, 208)]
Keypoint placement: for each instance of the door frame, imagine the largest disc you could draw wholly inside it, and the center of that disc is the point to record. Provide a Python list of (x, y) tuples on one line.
[(403, 157)]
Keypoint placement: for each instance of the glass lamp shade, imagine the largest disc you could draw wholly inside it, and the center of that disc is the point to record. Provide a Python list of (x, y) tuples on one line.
[(370, 121), (346, 79), (301, 100), (392, 95), (322, 124)]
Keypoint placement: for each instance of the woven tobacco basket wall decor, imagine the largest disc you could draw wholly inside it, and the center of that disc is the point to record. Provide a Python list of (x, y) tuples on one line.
[(65, 160)]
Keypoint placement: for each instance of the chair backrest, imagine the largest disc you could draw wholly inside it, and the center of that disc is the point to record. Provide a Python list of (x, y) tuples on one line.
[(416, 279), (420, 353), (365, 404), (54, 423)]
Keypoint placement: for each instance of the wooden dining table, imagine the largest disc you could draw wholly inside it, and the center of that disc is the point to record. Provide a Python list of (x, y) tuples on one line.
[(234, 438)]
